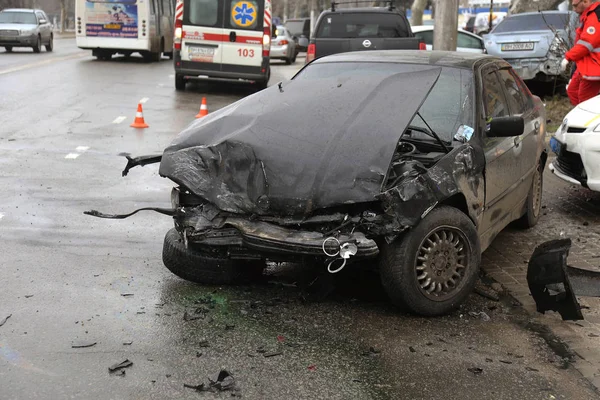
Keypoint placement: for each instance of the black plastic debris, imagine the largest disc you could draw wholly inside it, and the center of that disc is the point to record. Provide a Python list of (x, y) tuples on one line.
[(372, 352), (222, 382), (126, 294), (532, 369), (188, 317), (83, 345), (127, 343), (204, 343), (549, 282), (5, 319), (27, 296), (505, 361), (121, 365), (475, 370), (272, 354), (412, 349)]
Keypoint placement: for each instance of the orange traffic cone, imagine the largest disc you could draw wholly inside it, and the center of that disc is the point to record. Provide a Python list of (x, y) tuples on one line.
[(139, 118), (203, 109)]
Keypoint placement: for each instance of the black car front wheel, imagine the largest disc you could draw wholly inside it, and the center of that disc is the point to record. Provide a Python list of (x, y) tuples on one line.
[(199, 266), (432, 269)]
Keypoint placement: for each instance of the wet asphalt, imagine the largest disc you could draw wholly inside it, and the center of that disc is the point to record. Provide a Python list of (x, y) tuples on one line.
[(69, 279)]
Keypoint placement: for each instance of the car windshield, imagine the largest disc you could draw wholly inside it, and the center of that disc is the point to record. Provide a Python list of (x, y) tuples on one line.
[(280, 32), (448, 106), (533, 22), (355, 25), (17, 18)]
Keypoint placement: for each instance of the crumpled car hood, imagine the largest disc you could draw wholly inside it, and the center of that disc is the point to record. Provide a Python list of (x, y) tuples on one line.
[(306, 145)]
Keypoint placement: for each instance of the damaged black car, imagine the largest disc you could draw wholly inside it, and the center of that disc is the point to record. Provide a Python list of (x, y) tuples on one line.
[(408, 161)]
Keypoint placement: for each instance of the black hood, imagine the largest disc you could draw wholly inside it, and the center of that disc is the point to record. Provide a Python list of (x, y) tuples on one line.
[(310, 144)]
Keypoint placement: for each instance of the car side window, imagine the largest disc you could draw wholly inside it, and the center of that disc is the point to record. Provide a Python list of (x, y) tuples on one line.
[(494, 102), (468, 42), (39, 16), (517, 102), (426, 36)]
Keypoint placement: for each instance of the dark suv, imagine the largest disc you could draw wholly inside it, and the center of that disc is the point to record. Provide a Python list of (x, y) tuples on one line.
[(354, 29), (21, 27)]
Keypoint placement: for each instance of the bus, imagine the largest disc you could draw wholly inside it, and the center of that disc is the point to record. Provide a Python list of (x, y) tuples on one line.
[(124, 27)]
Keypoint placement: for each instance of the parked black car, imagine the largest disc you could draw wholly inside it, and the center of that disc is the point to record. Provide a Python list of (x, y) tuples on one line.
[(300, 29), (355, 29), (411, 160)]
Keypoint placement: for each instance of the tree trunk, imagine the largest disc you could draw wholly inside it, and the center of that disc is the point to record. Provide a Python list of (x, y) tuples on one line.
[(63, 15), (417, 12), (445, 33), (520, 6)]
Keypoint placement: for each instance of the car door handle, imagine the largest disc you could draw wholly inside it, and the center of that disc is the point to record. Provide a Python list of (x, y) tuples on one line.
[(232, 36), (537, 126), (517, 141)]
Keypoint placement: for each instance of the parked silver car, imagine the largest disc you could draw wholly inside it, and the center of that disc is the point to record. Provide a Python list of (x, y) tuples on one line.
[(534, 43), (21, 27)]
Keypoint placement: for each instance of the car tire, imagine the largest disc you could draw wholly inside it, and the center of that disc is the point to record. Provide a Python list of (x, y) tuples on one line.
[(533, 206), (406, 272), (179, 82), (50, 45), (288, 60), (264, 83), (198, 266), (38, 45), (8, 49)]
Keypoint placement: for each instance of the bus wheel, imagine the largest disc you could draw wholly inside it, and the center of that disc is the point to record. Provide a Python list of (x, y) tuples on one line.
[(179, 82), (152, 57)]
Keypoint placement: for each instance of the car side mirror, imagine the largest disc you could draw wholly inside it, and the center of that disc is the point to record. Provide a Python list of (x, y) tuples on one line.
[(42, 21), (506, 127), (274, 32)]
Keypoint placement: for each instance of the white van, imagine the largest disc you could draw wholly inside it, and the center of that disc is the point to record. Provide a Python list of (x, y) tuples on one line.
[(222, 39)]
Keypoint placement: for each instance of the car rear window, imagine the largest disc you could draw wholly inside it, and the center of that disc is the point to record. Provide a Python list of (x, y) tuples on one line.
[(296, 28), (202, 12), (533, 22), (17, 18), (359, 25)]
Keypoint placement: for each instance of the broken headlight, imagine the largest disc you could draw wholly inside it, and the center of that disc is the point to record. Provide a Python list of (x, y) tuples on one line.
[(556, 47)]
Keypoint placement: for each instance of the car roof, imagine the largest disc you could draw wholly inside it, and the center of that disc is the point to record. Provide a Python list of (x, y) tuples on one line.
[(435, 58), (544, 12), (362, 10), (24, 10)]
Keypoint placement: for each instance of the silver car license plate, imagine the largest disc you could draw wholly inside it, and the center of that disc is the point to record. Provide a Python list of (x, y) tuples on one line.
[(517, 46)]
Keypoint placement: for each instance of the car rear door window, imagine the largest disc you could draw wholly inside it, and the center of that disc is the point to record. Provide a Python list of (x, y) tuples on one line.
[(468, 42), (534, 22), (426, 36), (517, 101), (244, 14), (202, 13), (351, 25)]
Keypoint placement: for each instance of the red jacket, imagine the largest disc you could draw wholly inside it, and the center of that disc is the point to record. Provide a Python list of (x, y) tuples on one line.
[(586, 51)]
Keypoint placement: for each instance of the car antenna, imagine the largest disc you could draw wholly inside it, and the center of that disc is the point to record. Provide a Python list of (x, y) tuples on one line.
[(446, 149)]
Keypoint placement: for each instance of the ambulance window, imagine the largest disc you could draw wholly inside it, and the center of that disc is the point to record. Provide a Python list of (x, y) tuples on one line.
[(204, 12), (245, 14)]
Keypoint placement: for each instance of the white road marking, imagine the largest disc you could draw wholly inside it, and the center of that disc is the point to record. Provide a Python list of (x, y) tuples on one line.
[(119, 119), (72, 156), (82, 149), (45, 62), (2, 215), (143, 100)]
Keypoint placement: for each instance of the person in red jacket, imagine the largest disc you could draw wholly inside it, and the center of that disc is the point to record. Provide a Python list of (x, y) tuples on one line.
[(585, 82)]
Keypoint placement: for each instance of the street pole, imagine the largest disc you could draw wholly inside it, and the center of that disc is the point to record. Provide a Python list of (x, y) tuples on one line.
[(446, 26), (491, 15)]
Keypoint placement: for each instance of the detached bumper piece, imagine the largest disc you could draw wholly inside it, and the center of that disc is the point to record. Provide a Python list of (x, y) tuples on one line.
[(549, 282)]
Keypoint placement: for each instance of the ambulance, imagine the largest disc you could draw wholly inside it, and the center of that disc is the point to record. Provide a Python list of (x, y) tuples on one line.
[(222, 39)]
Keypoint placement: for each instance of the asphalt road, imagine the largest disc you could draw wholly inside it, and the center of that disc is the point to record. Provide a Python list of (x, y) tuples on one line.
[(73, 280)]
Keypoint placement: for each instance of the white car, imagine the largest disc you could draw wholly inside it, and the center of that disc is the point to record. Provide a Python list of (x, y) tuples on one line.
[(577, 146), (466, 41)]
